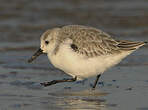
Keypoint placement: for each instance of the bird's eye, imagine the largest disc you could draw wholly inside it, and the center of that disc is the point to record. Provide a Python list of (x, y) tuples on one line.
[(46, 42)]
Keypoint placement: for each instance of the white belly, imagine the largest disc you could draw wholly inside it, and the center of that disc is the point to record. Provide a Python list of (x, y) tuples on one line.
[(77, 65)]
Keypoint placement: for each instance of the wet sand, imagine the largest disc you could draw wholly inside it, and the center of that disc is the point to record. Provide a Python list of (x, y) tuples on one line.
[(123, 87)]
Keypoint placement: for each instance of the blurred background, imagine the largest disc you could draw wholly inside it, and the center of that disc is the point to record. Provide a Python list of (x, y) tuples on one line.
[(23, 21)]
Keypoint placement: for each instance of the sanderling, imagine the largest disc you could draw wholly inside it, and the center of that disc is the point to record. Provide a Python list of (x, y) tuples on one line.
[(82, 51)]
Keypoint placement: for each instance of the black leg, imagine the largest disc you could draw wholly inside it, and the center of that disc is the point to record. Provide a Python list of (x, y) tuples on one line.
[(94, 86), (58, 81)]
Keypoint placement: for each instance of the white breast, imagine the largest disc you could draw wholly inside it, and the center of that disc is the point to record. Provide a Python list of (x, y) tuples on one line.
[(78, 65)]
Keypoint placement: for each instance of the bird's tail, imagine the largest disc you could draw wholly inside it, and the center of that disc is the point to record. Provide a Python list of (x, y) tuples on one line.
[(130, 45)]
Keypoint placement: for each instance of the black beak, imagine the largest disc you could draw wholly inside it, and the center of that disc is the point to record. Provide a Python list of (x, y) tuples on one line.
[(35, 55)]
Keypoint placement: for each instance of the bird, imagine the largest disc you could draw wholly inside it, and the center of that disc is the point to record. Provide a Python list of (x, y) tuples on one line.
[(82, 51)]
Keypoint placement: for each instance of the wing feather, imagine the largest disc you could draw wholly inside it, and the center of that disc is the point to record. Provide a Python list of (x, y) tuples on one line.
[(90, 41), (93, 42), (129, 45)]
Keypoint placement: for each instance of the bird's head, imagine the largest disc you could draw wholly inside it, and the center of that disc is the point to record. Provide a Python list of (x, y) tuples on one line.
[(47, 43)]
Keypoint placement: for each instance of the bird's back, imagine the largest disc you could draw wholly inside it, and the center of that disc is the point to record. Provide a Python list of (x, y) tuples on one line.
[(93, 42)]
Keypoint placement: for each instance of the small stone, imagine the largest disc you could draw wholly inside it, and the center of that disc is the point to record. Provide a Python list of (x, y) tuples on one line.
[(129, 89), (117, 86), (114, 80)]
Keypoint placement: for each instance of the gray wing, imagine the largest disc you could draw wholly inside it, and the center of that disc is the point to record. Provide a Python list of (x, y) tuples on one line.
[(89, 41), (94, 42)]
